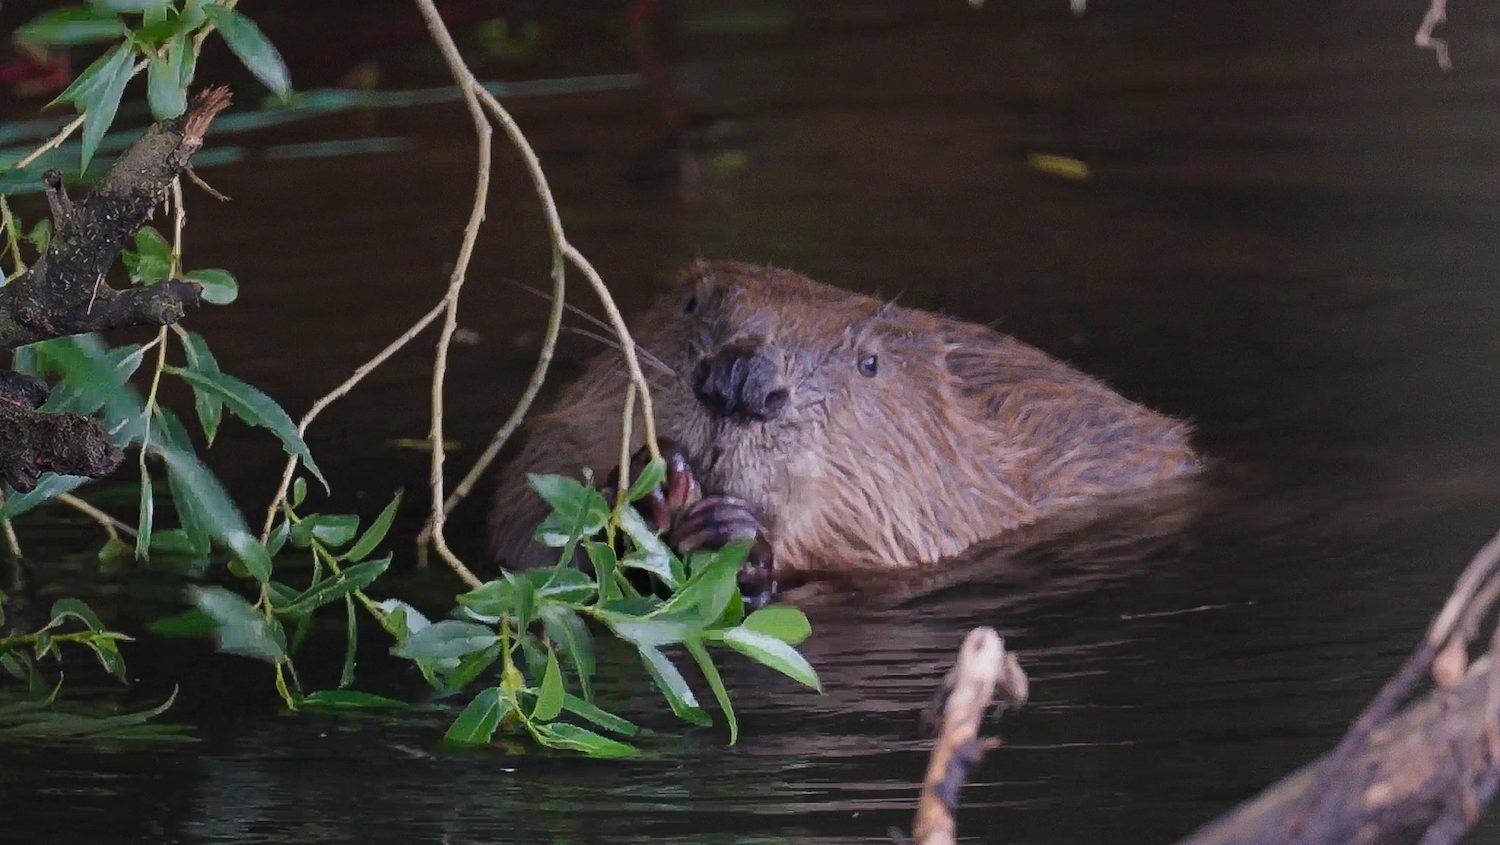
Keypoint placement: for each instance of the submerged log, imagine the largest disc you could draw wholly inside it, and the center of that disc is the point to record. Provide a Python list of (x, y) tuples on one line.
[(65, 293), (1423, 775)]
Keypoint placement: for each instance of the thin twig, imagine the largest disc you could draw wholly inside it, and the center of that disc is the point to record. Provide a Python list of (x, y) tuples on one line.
[(523, 405), (207, 188), (577, 259), (1437, 13), (482, 130), (12, 542), (110, 524), (53, 143), (338, 393)]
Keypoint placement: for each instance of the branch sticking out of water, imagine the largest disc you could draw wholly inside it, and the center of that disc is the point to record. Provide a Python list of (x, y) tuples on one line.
[(1431, 767), (983, 668)]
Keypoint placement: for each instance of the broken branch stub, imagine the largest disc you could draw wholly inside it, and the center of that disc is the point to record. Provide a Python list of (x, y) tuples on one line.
[(65, 293), (983, 668)]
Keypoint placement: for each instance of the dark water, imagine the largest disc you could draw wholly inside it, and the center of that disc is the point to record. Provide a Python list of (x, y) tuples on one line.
[(1287, 236)]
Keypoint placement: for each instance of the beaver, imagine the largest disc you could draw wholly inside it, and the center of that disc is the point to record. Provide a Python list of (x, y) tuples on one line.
[(846, 432)]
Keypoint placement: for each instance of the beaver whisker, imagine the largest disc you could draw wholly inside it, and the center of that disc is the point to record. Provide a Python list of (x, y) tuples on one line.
[(642, 351), (615, 344)]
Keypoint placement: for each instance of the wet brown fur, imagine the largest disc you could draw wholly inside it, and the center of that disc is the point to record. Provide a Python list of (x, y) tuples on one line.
[(963, 434)]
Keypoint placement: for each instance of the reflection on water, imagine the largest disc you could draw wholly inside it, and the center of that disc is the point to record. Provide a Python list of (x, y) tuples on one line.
[(1286, 235)]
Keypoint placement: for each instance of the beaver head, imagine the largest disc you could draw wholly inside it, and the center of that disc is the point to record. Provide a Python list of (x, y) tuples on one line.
[(863, 434)]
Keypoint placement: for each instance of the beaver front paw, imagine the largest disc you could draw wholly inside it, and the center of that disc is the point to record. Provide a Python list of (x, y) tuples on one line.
[(717, 521), (692, 522)]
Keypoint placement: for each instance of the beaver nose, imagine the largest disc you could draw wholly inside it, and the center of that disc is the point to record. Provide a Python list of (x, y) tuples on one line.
[(739, 383)]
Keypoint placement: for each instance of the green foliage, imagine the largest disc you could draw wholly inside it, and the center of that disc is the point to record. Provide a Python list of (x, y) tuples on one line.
[(526, 639), (161, 37), (545, 612)]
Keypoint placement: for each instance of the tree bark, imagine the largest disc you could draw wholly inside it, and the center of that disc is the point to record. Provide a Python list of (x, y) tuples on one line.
[(65, 293), (1426, 773)]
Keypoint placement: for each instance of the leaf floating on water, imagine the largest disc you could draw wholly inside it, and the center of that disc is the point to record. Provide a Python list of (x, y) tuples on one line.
[(422, 444), (1061, 166)]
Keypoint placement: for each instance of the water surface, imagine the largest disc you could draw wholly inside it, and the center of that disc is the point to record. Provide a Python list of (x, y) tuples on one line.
[(1287, 235)]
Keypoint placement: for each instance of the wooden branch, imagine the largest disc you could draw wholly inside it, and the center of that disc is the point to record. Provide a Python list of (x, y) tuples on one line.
[(1426, 769), (1429, 769), (957, 710), (32, 442), (64, 293)]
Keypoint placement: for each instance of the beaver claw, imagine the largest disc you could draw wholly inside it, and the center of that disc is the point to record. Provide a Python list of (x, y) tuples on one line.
[(691, 522)]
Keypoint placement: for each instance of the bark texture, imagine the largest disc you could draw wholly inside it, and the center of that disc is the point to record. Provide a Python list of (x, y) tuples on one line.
[(65, 293)]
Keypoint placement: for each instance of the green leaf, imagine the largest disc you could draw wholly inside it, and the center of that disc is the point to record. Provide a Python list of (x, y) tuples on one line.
[(784, 622), (209, 406), (114, 556), (549, 698), (242, 629), (196, 527), (470, 666), (93, 76), (299, 492), (49, 487), (331, 529), (373, 535), (41, 234), (351, 640), (568, 737), (602, 556), (348, 699), (146, 512), (165, 90), (69, 26), (565, 584), (93, 377), (256, 408), (578, 511), (568, 630), (711, 586), (247, 42), (152, 257), (674, 687), (100, 102), (279, 535), (477, 723), (108, 653), (64, 609), (219, 286), (650, 554), (75, 725), (647, 632), (189, 623), (219, 513), (651, 477), (715, 683), (770, 651), (603, 718), (447, 639), (355, 577)]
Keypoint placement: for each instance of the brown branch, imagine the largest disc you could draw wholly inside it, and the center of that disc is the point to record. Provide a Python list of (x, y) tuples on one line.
[(957, 710), (1430, 768), (32, 442), (1437, 13), (64, 293)]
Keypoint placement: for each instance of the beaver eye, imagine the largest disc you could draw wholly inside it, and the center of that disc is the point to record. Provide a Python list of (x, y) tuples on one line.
[(868, 365), (692, 305)]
